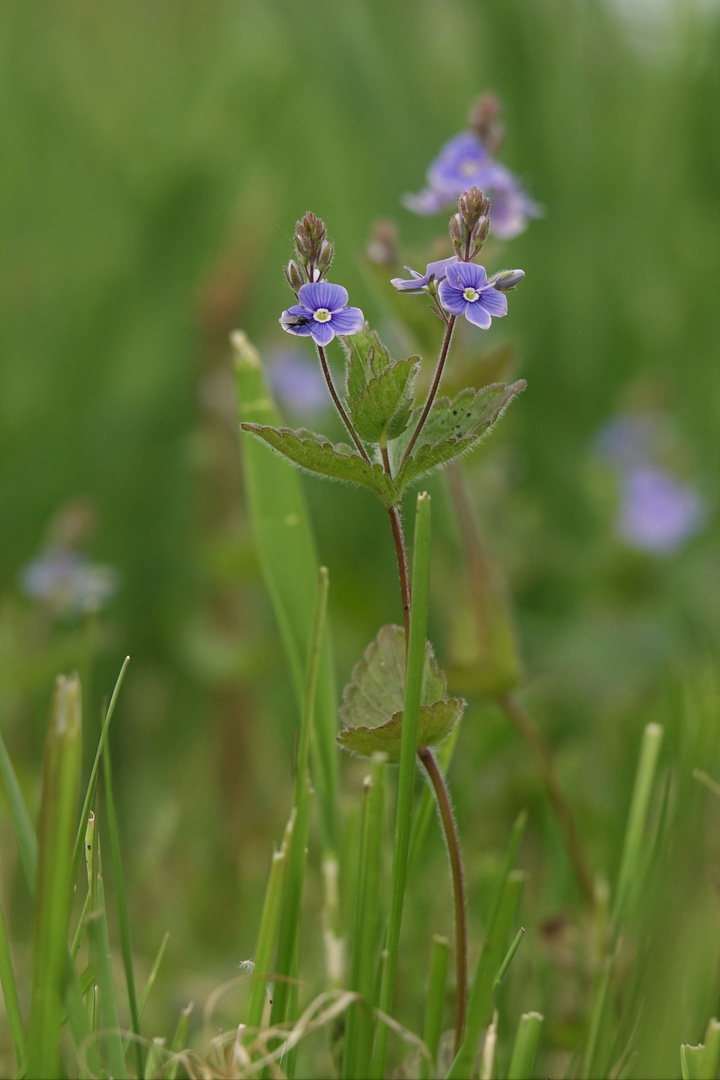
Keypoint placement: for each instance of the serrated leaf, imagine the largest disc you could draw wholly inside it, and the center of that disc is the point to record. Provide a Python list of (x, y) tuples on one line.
[(375, 699), (436, 723), (451, 429), (381, 410), (367, 358), (318, 455)]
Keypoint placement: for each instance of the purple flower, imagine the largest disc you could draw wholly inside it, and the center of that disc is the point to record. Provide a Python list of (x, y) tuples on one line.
[(632, 439), (322, 313), (464, 161), (68, 582), (657, 512), (298, 383), (435, 272), (467, 291)]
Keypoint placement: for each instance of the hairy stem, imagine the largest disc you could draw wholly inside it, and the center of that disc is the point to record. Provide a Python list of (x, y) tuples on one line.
[(453, 846), (400, 551), (544, 759), (339, 405), (433, 389)]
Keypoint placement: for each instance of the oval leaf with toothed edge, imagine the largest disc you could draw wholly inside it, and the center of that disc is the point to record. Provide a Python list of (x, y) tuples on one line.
[(381, 411), (451, 429), (318, 455), (375, 699), (366, 359)]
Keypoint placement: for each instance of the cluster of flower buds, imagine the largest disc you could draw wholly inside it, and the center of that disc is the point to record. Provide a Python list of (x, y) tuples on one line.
[(484, 120), (313, 251), (470, 226)]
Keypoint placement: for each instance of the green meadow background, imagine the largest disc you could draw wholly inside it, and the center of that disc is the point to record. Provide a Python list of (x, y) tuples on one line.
[(155, 157)]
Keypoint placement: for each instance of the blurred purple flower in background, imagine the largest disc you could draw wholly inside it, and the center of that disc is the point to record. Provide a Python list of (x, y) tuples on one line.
[(465, 162), (657, 512), (68, 582), (298, 384)]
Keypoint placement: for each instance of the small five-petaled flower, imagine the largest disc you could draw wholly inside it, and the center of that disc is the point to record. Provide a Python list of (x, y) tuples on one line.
[(467, 291), (322, 313)]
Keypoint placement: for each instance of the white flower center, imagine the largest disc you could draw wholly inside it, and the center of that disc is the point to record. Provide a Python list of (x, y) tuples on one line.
[(467, 167), (470, 294), (322, 315)]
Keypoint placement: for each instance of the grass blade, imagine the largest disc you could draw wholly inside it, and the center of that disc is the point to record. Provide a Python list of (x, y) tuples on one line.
[(408, 755), (525, 1048), (435, 1001), (10, 996), (90, 793), (286, 549), (121, 900), (58, 807), (489, 965), (359, 1030), (100, 957), (179, 1041), (22, 823), (288, 935), (147, 990), (268, 930)]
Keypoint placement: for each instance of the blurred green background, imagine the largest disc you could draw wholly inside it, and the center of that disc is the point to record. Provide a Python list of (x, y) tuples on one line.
[(155, 158)]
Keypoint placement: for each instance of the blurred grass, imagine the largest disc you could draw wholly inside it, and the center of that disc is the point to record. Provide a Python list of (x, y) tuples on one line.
[(154, 160)]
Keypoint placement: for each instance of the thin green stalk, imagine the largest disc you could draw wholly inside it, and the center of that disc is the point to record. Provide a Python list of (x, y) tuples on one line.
[(99, 943), (147, 989), (58, 807), (288, 935), (435, 1004), (357, 1049), (268, 930), (179, 1041), (121, 899), (90, 793), (10, 996), (631, 861), (509, 957), (427, 806), (22, 823), (489, 964), (525, 1048), (288, 557), (408, 752), (701, 1062), (433, 389)]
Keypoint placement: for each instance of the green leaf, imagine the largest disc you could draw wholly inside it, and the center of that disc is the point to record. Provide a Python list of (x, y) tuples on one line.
[(381, 411), (367, 358), (375, 699), (316, 454), (436, 723), (451, 429)]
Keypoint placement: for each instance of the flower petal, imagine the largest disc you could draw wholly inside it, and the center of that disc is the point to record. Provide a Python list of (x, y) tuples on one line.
[(466, 275), (452, 298), (296, 320), (493, 301), (322, 294), (438, 269), (426, 202), (477, 314), (322, 332), (349, 321)]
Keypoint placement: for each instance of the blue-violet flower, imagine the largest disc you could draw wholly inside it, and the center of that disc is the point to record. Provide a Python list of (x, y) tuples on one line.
[(322, 313), (467, 291), (435, 272), (657, 512), (465, 161)]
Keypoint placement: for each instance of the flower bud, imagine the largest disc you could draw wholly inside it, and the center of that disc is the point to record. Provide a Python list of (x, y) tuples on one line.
[(310, 240), (484, 120), (325, 257), (294, 276), (507, 280)]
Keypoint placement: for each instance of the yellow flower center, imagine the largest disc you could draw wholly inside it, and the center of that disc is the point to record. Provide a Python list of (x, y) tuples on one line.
[(470, 294), (322, 315)]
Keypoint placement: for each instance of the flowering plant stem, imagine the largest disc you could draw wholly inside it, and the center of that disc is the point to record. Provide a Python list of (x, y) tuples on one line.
[(339, 405), (453, 845), (408, 752), (434, 388)]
